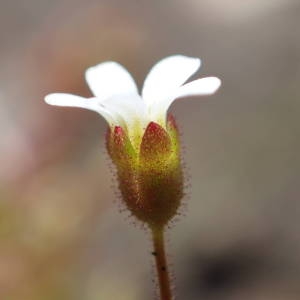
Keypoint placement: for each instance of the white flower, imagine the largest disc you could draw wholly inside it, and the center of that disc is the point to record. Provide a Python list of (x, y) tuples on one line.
[(117, 99)]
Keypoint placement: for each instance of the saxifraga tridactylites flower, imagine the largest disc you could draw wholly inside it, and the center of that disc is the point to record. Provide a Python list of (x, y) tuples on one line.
[(143, 138)]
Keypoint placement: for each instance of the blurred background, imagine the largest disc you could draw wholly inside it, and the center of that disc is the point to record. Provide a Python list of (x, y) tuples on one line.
[(62, 235)]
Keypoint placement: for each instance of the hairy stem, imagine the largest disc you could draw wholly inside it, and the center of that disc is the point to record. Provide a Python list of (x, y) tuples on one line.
[(161, 263)]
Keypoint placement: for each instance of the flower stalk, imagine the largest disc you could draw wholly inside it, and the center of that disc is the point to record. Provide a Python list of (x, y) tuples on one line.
[(159, 253)]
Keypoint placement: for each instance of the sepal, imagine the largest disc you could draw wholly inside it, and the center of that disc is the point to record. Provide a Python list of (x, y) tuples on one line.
[(119, 147), (156, 145)]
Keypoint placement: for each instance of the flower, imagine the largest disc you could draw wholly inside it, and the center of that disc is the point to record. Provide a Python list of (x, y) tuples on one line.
[(142, 139)]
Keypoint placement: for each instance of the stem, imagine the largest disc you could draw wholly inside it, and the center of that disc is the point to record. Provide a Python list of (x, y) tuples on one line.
[(161, 263)]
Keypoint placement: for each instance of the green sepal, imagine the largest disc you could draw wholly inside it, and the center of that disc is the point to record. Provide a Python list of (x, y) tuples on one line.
[(156, 145), (120, 148)]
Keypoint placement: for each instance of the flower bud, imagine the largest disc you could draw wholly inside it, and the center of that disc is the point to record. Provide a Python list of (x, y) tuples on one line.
[(150, 177)]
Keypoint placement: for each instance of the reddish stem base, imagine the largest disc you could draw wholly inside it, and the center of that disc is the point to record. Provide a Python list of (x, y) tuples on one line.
[(161, 264)]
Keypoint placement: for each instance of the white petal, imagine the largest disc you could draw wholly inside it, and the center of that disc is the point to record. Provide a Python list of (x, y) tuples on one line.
[(203, 86), (108, 79), (199, 87), (69, 100), (167, 75)]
